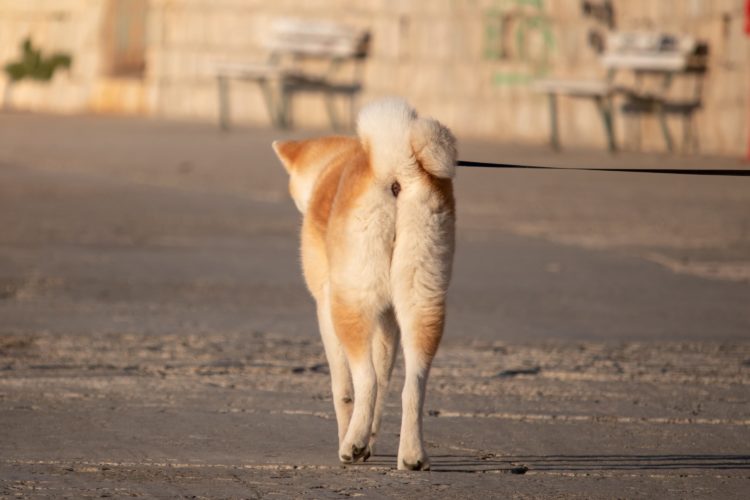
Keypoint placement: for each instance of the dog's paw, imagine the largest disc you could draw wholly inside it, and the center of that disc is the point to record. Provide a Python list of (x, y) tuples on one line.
[(419, 464), (370, 448), (353, 453), (414, 461)]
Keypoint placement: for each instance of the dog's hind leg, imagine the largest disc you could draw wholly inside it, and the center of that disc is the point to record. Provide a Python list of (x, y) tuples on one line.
[(420, 273), (384, 350), (422, 328), (354, 327), (341, 379)]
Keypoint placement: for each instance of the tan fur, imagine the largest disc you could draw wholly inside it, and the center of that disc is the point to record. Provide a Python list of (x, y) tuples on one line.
[(377, 264), (353, 328)]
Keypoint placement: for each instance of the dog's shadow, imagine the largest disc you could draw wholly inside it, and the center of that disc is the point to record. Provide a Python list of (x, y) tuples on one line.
[(575, 463)]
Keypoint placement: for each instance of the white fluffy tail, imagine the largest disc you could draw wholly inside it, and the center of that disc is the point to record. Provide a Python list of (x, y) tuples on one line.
[(399, 142)]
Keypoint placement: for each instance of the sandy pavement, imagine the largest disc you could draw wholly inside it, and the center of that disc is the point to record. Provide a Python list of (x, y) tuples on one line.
[(156, 339)]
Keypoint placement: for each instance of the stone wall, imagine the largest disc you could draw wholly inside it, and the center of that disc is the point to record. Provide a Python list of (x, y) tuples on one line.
[(468, 62)]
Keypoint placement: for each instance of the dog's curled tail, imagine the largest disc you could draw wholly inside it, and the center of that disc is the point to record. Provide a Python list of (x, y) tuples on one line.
[(400, 143)]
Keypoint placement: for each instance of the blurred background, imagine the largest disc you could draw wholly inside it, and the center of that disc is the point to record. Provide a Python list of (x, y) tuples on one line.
[(473, 63)]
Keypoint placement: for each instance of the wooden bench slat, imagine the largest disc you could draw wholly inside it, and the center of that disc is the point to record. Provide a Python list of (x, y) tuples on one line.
[(642, 51), (646, 62), (319, 38)]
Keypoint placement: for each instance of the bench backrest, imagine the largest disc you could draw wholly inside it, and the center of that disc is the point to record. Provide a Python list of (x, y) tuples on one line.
[(645, 51), (323, 39)]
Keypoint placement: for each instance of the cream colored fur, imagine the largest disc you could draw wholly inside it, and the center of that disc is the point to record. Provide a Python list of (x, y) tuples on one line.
[(377, 250)]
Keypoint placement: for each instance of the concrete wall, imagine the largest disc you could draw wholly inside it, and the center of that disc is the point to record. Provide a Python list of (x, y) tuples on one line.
[(460, 60)]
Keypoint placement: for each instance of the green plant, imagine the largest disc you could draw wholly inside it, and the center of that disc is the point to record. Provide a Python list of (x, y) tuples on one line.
[(35, 66)]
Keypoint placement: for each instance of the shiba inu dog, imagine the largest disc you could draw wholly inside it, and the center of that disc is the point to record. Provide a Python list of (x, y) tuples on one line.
[(378, 237)]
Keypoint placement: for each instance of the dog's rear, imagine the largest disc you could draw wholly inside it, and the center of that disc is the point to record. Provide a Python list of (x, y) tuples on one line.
[(377, 248)]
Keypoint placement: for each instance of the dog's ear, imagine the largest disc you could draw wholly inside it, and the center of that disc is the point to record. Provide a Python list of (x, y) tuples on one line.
[(305, 160), (288, 152)]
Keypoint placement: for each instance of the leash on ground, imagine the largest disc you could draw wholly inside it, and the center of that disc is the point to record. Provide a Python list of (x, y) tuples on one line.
[(679, 171)]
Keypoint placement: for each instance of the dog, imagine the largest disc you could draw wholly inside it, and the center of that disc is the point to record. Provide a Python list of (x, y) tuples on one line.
[(378, 237)]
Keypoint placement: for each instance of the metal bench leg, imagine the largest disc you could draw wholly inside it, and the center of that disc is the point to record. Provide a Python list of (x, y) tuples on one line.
[(223, 102), (665, 128), (554, 134), (285, 109), (605, 110), (273, 113)]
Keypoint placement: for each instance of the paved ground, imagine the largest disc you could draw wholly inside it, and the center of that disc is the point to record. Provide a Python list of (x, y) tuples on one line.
[(156, 339)]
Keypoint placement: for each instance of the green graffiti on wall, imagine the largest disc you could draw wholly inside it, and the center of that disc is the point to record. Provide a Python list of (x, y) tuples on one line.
[(518, 32)]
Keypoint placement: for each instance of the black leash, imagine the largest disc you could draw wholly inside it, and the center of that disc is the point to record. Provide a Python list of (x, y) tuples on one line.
[(681, 171)]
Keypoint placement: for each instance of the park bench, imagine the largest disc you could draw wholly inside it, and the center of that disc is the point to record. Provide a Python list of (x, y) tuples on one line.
[(291, 44), (653, 60)]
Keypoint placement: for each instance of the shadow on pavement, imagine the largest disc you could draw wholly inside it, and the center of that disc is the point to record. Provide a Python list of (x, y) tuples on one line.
[(570, 463)]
